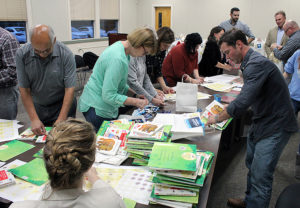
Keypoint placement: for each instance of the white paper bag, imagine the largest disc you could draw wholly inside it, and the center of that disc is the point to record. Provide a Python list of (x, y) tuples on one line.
[(186, 97)]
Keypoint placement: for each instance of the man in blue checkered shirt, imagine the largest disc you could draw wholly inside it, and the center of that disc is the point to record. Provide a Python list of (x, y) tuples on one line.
[(8, 76)]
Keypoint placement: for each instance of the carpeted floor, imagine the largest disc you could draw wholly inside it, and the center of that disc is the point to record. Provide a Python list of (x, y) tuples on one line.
[(230, 174)]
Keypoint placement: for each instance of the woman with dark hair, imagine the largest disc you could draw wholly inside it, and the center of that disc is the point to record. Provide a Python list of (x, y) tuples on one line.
[(181, 62), (213, 62), (154, 63)]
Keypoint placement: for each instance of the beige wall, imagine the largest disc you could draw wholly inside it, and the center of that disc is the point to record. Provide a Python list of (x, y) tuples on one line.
[(128, 15), (187, 16), (201, 15)]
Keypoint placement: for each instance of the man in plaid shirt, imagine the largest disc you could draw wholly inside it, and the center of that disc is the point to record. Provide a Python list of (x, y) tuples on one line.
[(8, 76)]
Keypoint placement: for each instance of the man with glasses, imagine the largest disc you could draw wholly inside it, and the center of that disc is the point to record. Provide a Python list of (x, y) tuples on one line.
[(283, 53), (47, 74)]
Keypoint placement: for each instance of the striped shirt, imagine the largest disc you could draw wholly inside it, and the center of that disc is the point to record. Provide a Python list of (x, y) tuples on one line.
[(239, 25), (8, 49), (289, 48)]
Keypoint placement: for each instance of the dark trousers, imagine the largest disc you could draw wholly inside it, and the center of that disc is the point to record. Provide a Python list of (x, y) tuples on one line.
[(49, 114), (94, 119)]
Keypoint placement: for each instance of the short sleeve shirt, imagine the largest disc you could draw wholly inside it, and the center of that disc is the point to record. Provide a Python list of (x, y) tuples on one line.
[(47, 77), (239, 25)]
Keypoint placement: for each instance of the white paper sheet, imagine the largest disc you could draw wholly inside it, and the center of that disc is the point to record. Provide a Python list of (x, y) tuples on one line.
[(8, 130), (179, 128), (225, 78), (200, 96), (128, 181), (218, 86)]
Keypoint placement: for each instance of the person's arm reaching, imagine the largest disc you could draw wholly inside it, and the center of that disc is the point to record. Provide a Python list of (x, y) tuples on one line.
[(267, 45), (67, 103), (165, 88), (224, 66), (37, 127), (218, 118)]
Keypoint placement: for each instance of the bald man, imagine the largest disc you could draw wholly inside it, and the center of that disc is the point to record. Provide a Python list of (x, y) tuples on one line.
[(283, 53), (47, 74)]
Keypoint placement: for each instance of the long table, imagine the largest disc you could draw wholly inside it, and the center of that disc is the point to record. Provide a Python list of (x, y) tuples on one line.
[(210, 142)]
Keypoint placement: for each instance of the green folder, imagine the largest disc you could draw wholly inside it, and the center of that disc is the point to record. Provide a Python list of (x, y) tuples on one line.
[(106, 124), (173, 156), (33, 172), (39, 154), (187, 199), (129, 203), (156, 180), (13, 148)]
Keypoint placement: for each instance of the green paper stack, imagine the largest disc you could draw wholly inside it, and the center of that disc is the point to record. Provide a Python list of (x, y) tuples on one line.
[(117, 129), (33, 172), (140, 146), (179, 173), (13, 148)]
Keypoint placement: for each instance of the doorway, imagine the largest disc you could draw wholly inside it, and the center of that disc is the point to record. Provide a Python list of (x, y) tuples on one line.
[(162, 17)]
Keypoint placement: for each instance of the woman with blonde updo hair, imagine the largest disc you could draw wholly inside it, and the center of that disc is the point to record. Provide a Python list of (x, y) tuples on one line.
[(107, 89), (69, 154)]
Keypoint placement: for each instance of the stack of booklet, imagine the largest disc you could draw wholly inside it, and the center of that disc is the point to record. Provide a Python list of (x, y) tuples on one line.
[(6, 178), (213, 109), (111, 141), (142, 137), (179, 173), (183, 125), (28, 135)]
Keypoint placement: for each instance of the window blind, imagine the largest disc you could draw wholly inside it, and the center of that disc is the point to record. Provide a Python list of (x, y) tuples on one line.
[(109, 9), (13, 10)]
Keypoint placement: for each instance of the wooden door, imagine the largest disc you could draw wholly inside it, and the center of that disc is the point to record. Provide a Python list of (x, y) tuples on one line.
[(162, 17)]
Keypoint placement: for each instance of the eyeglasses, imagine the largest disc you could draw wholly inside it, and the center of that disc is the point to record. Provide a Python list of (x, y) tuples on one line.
[(145, 52), (44, 52), (285, 31)]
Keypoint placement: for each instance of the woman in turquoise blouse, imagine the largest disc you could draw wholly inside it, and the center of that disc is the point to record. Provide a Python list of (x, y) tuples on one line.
[(107, 89)]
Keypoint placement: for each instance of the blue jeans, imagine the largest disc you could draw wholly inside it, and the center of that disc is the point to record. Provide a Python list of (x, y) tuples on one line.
[(296, 105), (261, 160), (92, 117), (9, 102)]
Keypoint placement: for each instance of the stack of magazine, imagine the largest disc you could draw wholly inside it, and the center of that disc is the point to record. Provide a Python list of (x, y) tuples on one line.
[(179, 173), (183, 125), (213, 109), (142, 137), (111, 141), (6, 178)]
